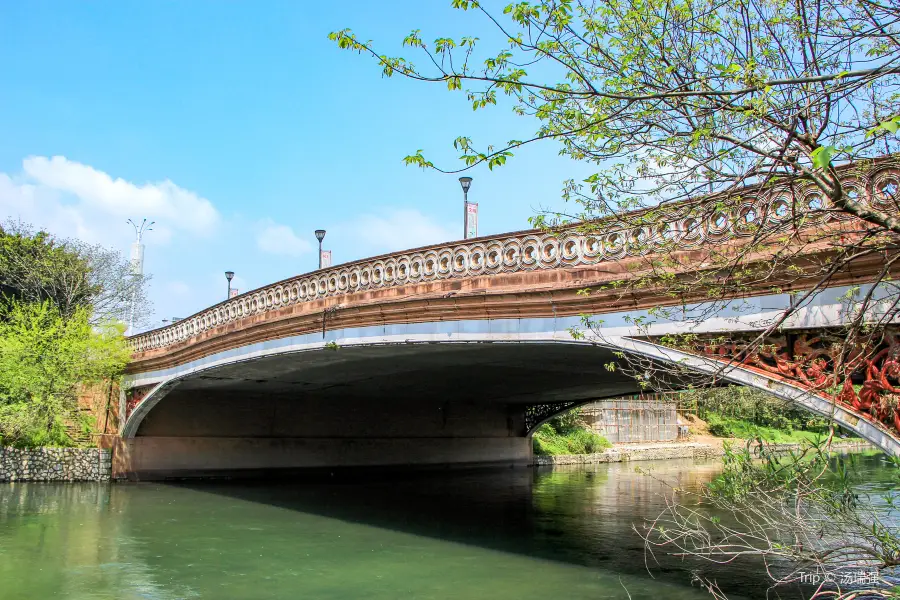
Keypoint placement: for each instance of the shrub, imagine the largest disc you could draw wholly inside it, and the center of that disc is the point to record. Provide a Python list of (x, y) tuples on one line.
[(45, 358), (718, 406), (547, 441)]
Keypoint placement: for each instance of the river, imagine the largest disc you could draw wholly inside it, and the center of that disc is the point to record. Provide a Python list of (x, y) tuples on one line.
[(511, 534)]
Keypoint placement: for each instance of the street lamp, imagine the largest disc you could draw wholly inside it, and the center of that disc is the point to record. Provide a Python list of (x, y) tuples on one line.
[(466, 183), (229, 275), (320, 235)]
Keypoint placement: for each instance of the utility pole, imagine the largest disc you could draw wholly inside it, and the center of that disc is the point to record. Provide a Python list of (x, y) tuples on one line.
[(137, 264)]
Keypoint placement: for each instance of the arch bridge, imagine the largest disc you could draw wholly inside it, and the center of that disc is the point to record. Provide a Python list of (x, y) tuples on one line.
[(454, 353)]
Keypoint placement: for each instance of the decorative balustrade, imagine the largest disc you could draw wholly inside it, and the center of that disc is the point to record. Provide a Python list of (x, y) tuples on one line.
[(528, 251)]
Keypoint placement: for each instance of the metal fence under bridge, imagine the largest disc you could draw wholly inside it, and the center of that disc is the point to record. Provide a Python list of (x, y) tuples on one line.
[(638, 418)]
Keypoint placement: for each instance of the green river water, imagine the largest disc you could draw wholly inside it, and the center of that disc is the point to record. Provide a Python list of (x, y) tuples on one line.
[(561, 533)]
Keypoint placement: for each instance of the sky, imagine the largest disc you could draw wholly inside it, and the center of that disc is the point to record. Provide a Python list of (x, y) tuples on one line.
[(239, 128)]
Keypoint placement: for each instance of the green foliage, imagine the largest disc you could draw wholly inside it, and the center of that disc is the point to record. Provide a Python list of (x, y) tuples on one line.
[(45, 357), (673, 98), (34, 267), (565, 422), (805, 511), (744, 429), (564, 434), (733, 409)]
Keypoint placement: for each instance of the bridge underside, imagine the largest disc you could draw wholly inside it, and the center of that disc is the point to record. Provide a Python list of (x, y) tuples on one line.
[(382, 405)]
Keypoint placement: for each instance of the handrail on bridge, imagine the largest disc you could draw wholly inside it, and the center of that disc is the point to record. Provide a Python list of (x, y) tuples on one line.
[(520, 252)]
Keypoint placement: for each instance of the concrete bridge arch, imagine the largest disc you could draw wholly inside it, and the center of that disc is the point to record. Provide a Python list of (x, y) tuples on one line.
[(445, 396), (451, 353)]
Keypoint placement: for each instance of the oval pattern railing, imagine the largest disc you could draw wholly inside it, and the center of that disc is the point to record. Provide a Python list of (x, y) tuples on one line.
[(520, 252)]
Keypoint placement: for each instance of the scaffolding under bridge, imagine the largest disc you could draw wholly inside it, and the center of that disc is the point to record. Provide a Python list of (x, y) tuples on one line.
[(637, 418)]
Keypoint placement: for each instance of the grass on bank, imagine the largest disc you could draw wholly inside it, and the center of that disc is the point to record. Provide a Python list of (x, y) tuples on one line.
[(566, 434), (727, 412), (733, 427), (747, 413)]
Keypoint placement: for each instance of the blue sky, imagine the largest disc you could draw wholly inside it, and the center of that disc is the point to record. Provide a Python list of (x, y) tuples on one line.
[(240, 129)]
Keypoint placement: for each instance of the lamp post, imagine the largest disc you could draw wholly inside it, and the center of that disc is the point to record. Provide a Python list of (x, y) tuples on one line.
[(320, 235), (466, 183), (229, 275)]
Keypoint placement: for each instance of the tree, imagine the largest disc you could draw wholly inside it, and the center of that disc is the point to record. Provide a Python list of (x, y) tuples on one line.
[(688, 96), (35, 266), (802, 514), (119, 289), (691, 110), (729, 141), (46, 357)]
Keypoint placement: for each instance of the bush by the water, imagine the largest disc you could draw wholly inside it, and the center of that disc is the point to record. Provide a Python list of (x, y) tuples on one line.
[(742, 412), (566, 435), (45, 358), (62, 303)]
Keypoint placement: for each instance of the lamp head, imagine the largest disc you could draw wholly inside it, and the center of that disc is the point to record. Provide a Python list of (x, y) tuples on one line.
[(466, 183), (320, 234), (229, 275)]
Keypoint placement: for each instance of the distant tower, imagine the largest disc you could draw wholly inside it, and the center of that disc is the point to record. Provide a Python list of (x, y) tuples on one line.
[(137, 258), (137, 264)]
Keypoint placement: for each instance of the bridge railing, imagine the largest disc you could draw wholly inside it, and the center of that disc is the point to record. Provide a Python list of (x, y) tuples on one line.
[(526, 251)]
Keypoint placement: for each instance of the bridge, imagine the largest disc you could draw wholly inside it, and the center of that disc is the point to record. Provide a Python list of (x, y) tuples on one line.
[(449, 354)]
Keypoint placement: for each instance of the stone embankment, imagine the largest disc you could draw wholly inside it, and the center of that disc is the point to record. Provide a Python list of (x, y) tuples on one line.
[(667, 450), (55, 464)]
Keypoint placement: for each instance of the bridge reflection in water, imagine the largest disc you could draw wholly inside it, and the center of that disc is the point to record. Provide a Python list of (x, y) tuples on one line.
[(514, 533)]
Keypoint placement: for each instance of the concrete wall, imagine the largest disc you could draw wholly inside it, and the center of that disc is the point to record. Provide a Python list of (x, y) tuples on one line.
[(54, 464), (220, 414), (205, 433), (148, 458)]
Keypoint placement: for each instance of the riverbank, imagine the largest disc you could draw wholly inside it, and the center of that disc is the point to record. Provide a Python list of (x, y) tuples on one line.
[(55, 464), (670, 450), (93, 464)]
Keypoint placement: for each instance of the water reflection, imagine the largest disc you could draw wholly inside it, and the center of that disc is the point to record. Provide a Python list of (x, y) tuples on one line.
[(510, 534)]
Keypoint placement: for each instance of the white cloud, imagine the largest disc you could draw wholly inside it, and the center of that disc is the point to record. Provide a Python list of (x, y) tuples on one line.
[(280, 239), (182, 208), (73, 199), (398, 229)]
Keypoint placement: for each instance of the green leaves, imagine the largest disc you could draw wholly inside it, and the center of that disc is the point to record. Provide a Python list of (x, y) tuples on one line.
[(664, 84), (498, 159), (821, 156), (345, 40), (418, 160), (35, 267), (891, 125), (45, 358), (413, 40)]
